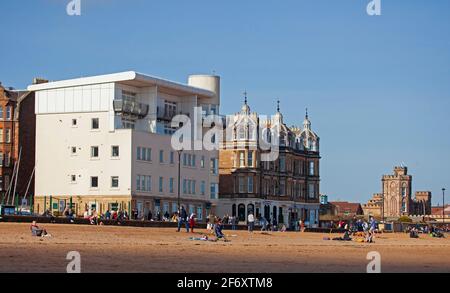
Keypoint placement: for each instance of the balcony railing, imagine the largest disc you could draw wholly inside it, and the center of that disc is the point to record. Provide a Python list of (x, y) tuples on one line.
[(167, 115), (133, 108)]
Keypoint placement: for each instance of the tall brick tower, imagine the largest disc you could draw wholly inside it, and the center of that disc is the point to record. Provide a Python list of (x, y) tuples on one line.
[(397, 193)]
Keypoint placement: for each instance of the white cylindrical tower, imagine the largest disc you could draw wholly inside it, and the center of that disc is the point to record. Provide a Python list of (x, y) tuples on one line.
[(207, 82)]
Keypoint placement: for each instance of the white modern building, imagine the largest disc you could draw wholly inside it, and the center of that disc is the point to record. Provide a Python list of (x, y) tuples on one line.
[(104, 143)]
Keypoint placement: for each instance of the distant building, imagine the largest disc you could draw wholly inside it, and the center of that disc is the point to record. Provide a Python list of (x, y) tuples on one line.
[(374, 206), (17, 132), (395, 200), (342, 209)]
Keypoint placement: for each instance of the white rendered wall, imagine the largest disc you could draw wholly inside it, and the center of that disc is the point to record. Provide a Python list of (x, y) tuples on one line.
[(55, 163)]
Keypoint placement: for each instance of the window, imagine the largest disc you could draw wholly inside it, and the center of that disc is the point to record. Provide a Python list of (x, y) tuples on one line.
[(115, 181), (94, 152), (149, 154), (184, 159), (214, 190), (312, 192), (149, 183), (242, 159), (172, 158), (241, 133), (74, 122), (8, 113), (203, 187), (241, 185), (161, 182), (250, 159), (282, 164), (171, 184), (143, 187), (8, 135), (115, 151), (73, 178), (1, 135), (95, 123), (282, 187), (94, 182), (194, 186), (250, 184), (214, 166), (73, 150), (194, 161), (311, 169), (138, 182), (189, 160), (161, 156), (184, 186), (1, 113), (202, 162), (144, 154), (200, 213), (1, 158)]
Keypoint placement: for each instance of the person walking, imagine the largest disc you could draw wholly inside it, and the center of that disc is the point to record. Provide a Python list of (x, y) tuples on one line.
[(192, 222), (183, 219), (251, 222)]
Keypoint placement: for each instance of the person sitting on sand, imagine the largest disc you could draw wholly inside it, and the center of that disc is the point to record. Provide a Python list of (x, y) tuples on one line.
[(37, 231), (218, 230)]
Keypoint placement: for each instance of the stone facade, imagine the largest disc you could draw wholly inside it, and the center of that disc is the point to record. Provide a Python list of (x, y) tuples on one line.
[(395, 200), (285, 189)]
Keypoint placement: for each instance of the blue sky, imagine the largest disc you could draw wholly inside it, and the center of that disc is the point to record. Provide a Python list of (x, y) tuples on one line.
[(377, 88)]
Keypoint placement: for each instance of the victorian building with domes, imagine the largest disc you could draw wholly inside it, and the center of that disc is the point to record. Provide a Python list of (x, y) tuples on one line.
[(283, 188)]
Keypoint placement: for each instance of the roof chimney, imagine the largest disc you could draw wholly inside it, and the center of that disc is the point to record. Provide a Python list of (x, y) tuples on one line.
[(38, 80)]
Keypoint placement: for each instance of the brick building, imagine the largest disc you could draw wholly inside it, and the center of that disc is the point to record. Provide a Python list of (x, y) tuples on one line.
[(17, 136)]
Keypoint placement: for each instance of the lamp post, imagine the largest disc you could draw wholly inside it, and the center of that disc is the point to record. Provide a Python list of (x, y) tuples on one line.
[(179, 176), (443, 205)]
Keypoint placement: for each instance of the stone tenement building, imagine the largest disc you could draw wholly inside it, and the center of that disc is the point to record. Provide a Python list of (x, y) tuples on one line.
[(17, 131), (285, 189), (395, 200)]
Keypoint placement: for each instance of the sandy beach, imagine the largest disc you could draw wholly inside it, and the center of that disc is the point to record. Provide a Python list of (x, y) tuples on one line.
[(127, 249)]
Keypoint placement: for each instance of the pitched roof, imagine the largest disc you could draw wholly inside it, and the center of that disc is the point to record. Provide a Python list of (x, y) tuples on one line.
[(347, 207)]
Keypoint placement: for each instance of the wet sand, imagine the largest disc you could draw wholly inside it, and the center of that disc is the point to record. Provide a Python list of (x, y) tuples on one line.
[(127, 249)]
